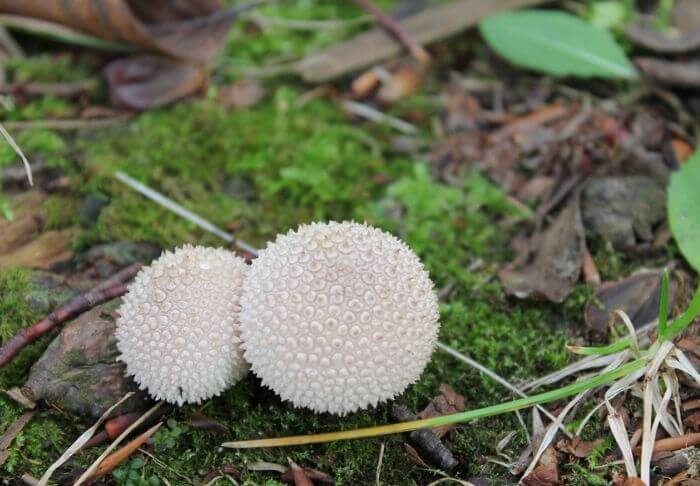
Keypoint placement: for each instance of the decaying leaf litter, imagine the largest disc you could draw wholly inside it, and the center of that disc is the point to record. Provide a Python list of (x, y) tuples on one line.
[(540, 157)]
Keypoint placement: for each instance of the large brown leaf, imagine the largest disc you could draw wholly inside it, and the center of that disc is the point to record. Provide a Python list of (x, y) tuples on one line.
[(183, 37), (554, 263), (190, 30)]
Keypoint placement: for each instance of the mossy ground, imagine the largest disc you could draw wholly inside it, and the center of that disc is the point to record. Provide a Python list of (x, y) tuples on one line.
[(262, 171)]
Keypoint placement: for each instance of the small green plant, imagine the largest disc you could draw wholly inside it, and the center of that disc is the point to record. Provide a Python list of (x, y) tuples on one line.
[(683, 201), (131, 474), (167, 438), (556, 43)]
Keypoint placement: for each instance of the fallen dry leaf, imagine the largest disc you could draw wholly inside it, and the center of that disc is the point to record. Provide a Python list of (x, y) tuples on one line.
[(672, 73), (623, 209), (50, 248), (403, 82), (547, 471), (191, 30), (579, 448), (447, 402), (23, 243), (686, 16), (241, 94), (692, 421), (555, 263), (147, 81), (184, 37), (117, 457), (657, 41), (638, 295)]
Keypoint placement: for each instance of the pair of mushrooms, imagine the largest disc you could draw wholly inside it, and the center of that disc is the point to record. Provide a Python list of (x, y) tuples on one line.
[(332, 316)]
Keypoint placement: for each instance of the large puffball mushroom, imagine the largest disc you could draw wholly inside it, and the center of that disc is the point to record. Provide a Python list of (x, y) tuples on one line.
[(338, 316), (178, 329)]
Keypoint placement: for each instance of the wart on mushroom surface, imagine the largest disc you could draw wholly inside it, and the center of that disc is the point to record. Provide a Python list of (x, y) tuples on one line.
[(178, 331), (338, 316)]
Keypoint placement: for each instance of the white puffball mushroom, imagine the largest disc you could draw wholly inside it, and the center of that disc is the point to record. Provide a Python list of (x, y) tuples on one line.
[(178, 329), (338, 316)]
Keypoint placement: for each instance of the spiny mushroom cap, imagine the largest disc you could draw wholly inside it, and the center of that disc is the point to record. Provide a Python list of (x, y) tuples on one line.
[(338, 316), (178, 330)]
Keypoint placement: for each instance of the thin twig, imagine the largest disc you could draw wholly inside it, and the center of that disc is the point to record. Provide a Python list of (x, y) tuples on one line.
[(390, 24), (68, 123), (111, 288)]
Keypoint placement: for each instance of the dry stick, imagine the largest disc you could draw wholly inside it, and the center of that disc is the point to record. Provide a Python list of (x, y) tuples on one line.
[(390, 24), (69, 123), (111, 288)]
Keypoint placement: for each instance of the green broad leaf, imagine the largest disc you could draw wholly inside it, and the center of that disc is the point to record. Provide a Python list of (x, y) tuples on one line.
[(683, 215), (556, 43)]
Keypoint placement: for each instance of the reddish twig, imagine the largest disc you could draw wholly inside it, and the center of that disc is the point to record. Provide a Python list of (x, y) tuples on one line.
[(390, 24), (113, 287)]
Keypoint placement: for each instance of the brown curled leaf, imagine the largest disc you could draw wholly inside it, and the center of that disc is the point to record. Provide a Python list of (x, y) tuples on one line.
[(191, 31), (143, 82), (660, 42), (673, 73)]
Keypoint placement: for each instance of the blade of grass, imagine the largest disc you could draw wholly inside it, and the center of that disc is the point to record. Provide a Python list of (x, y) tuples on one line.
[(79, 442), (18, 151), (615, 347), (684, 320), (456, 418)]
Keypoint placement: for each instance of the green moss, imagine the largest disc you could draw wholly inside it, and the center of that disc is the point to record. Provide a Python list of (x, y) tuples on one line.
[(249, 46), (15, 314), (46, 68), (44, 145), (46, 107), (301, 164), (61, 212)]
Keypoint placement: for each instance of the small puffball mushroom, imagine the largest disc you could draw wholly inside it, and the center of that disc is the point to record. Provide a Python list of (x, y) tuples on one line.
[(178, 329), (338, 316)]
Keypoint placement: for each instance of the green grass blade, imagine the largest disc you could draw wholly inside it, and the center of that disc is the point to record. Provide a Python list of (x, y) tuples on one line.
[(684, 320), (615, 347), (663, 307), (456, 418)]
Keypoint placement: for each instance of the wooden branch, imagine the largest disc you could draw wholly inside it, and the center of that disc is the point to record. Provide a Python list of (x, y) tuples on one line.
[(113, 287), (376, 45), (394, 28)]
